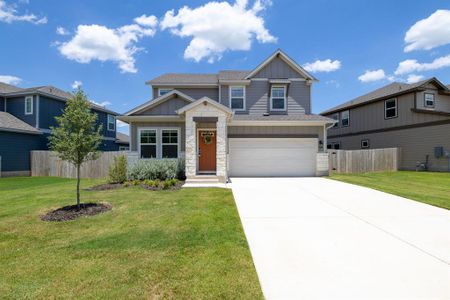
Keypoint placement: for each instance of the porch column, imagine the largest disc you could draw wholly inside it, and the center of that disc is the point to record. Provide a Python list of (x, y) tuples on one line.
[(221, 139), (191, 153)]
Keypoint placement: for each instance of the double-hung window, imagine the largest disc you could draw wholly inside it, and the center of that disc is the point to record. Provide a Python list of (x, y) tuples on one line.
[(237, 97), (345, 118), (29, 105), (148, 143), (278, 98), (169, 143), (429, 99), (390, 108), (163, 91), (111, 123)]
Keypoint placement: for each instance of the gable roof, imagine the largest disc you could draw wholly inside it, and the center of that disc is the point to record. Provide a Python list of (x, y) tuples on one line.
[(7, 88), (122, 138), (390, 90), (9, 122), (233, 74), (157, 101), (280, 54), (204, 100), (184, 78)]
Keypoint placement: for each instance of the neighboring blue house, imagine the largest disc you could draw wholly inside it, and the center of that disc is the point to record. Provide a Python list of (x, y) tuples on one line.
[(26, 116)]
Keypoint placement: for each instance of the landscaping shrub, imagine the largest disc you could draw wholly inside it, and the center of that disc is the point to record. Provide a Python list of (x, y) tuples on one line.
[(153, 169), (118, 170)]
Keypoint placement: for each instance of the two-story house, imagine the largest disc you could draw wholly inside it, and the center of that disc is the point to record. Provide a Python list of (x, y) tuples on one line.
[(234, 123), (26, 116), (413, 117)]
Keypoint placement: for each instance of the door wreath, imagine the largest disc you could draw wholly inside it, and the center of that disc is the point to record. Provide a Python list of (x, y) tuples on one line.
[(207, 137)]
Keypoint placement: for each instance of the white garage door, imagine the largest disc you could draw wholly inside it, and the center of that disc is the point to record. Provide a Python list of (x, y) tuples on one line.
[(272, 156)]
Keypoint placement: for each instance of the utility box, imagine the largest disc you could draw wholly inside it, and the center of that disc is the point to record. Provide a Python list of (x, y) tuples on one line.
[(438, 152)]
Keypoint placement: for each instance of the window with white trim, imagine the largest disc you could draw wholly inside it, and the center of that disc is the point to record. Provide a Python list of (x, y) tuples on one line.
[(111, 123), (163, 91), (345, 118), (429, 99), (169, 143), (336, 118), (278, 98), (390, 108), (237, 97), (29, 105), (365, 144), (147, 138)]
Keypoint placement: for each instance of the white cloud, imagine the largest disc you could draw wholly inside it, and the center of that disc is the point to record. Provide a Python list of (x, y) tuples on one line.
[(412, 65), (413, 78), (333, 82), (76, 84), (374, 75), (217, 27), (327, 65), (10, 79), (9, 14), (121, 124), (62, 31), (104, 103), (429, 33), (146, 21), (96, 42)]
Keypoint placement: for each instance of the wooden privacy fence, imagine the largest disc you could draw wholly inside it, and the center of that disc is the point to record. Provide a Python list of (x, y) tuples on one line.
[(361, 161), (46, 163)]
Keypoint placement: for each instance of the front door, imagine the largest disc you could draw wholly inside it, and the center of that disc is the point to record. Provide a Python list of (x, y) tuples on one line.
[(207, 151)]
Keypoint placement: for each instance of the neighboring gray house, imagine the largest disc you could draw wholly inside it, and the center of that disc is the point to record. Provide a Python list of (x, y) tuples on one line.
[(234, 123), (414, 117)]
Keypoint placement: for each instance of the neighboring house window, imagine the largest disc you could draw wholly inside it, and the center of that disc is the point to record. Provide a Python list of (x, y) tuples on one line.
[(29, 105), (237, 97), (169, 145), (163, 91), (124, 148), (365, 144), (334, 145), (429, 100), (336, 118), (278, 98), (345, 118), (111, 123), (390, 108), (147, 143)]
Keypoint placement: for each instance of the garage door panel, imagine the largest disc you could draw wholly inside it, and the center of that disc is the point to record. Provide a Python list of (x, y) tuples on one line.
[(272, 157)]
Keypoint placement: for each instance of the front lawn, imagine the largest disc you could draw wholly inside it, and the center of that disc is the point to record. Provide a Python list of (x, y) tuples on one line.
[(183, 244), (427, 187)]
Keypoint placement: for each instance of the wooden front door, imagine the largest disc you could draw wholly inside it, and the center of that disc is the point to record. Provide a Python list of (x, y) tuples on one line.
[(207, 151)]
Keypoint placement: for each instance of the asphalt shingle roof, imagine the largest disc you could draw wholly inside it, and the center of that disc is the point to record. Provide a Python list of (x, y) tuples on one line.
[(232, 74), (185, 78), (122, 138), (7, 88), (9, 122)]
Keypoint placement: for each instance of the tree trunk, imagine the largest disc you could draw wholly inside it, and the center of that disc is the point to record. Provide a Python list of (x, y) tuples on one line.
[(78, 186)]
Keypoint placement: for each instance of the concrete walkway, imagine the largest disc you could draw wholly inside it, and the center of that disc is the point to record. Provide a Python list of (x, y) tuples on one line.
[(315, 238)]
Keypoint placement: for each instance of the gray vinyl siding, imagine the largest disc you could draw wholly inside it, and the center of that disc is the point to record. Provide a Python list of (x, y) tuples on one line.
[(258, 101), (277, 68), (441, 102), (415, 144), (134, 132), (371, 116), (166, 108), (276, 130), (196, 93)]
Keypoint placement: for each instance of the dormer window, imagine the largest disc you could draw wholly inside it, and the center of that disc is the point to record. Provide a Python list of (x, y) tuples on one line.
[(29, 105), (237, 98), (163, 91), (429, 100), (278, 98)]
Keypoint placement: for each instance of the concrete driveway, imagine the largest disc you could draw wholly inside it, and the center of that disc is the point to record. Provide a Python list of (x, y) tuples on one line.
[(315, 238)]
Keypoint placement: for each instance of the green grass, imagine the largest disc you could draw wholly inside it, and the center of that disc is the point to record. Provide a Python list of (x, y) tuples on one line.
[(427, 187), (184, 244)]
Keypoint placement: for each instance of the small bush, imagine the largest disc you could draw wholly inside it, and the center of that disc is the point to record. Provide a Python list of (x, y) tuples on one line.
[(118, 170), (153, 169)]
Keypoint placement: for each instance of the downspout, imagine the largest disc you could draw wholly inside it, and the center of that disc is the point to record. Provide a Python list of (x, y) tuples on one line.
[(325, 130), (220, 93)]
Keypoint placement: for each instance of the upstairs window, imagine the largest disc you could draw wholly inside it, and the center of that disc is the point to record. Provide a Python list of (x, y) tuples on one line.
[(111, 123), (429, 100), (345, 118), (278, 98), (390, 108), (163, 91), (147, 141), (29, 105), (237, 97), (169, 145)]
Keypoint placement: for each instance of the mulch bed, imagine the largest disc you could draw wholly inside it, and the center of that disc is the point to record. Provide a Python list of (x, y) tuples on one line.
[(177, 186), (72, 212), (105, 187)]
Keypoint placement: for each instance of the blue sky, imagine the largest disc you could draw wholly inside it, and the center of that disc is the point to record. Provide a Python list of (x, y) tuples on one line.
[(112, 52)]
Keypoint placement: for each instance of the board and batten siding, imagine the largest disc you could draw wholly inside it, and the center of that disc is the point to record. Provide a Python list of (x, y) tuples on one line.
[(307, 131), (196, 93), (277, 68), (166, 108), (16, 107), (2, 104), (441, 102), (257, 99), (134, 132), (415, 144)]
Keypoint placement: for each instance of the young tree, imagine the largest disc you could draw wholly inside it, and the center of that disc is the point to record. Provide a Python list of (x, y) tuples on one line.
[(76, 138)]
